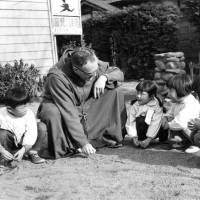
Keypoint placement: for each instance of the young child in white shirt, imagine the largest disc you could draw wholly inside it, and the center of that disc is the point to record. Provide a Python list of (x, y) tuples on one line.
[(18, 128), (194, 124), (145, 116), (185, 107)]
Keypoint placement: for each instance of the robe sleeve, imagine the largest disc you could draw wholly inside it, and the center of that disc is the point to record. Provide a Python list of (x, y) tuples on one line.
[(113, 74), (63, 97)]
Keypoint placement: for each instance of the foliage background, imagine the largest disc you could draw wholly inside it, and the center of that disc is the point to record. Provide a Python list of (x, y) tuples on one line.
[(131, 37), (20, 74), (192, 12)]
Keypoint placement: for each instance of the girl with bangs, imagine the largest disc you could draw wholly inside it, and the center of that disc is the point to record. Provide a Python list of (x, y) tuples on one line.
[(145, 116), (185, 107)]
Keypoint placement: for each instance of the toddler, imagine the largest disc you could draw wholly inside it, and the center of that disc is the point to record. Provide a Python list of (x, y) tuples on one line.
[(185, 107), (145, 116), (18, 128)]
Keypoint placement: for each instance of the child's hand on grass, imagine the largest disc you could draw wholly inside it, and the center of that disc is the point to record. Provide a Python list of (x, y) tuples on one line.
[(136, 143), (6, 154), (19, 154), (145, 143)]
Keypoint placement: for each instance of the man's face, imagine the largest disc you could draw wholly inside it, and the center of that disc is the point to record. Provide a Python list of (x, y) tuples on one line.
[(88, 70)]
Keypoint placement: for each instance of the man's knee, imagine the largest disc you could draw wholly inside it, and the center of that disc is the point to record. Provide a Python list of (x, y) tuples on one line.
[(48, 112), (42, 129)]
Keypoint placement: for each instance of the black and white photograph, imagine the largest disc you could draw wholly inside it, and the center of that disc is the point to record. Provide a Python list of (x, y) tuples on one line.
[(99, 99)]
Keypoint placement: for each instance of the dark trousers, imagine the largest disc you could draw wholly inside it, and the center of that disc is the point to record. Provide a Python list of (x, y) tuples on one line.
[(142, 128), (7, 140), (186, 141)]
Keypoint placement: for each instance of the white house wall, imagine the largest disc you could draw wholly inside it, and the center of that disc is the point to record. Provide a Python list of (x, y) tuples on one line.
[(25, 33)]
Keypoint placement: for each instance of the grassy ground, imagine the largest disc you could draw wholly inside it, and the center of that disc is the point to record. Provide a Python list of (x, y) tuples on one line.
[(125, 173)]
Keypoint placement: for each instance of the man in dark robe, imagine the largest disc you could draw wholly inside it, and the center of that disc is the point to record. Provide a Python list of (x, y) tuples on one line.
[(82, 104)]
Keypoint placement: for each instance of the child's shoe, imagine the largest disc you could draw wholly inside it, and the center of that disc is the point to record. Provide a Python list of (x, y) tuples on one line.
[(36, 159), (192, 149)]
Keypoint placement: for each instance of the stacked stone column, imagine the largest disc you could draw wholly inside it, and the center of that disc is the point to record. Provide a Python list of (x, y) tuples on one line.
[(167, 65)]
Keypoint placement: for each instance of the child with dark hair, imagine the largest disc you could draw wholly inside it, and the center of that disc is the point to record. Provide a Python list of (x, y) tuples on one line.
[(145, 116), (18, 128), (185, 107)]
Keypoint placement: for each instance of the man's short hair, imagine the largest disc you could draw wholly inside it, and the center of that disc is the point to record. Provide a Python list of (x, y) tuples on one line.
[(81, 55)]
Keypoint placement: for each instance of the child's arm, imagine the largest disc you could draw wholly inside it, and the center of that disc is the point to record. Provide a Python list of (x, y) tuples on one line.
[(155, 123), (154, 126), (130, 123), (31, 131), (30, 135), (180, 122), (5, 154)]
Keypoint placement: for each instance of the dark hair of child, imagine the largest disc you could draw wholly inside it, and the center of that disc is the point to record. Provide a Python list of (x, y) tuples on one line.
[(196, 87), (17, 96), (147, 86), (182, 83), (150, 87)]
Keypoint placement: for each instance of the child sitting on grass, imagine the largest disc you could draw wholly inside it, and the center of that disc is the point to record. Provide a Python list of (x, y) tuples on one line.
[(194, 124), (185, 107), (145, 116), (18, 128)]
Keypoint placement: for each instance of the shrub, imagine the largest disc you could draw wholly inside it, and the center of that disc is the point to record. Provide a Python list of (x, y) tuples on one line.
[(19, 74), (192, 10), (132, 36)]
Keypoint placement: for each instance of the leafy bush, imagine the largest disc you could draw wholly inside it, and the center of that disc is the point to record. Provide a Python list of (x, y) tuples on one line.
[(20, 74), (192, 10), (132, 36)]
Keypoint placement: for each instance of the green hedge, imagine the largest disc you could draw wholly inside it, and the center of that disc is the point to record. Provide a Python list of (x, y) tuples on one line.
[(132, 36), (192, 10), (20, 74)]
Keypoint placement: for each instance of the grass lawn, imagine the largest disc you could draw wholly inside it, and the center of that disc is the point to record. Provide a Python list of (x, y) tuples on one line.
[(125, 173)]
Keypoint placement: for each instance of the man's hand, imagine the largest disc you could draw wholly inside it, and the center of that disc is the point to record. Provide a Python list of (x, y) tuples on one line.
[(88, 149), (99, 86), (6, 154), (144, 144), (135, 141), (19, 154)]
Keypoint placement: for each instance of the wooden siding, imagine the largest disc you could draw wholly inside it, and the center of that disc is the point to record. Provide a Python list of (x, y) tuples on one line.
[(25, 33)]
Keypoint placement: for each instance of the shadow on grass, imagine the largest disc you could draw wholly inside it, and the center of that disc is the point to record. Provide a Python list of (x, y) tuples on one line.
[(156, 154)]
